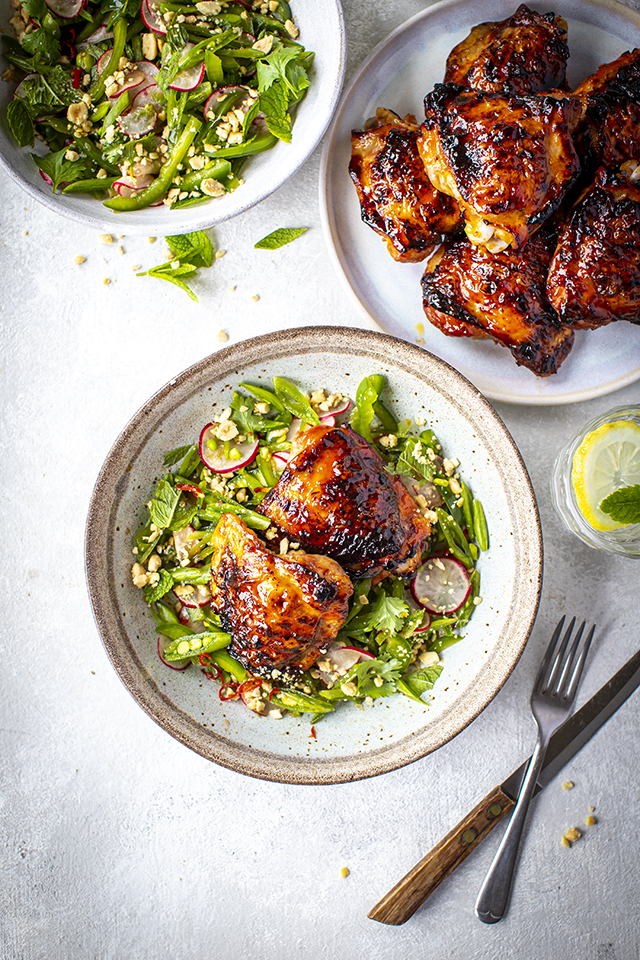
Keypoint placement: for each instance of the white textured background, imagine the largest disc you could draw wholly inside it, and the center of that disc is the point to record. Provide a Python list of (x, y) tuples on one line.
[(118, 843)]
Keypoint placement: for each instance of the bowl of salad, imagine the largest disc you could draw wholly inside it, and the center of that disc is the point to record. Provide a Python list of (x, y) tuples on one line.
[(162, 117), (314, 556)]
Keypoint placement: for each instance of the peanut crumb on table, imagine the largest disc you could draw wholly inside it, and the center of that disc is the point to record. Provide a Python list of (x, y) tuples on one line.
[(79, 259), (222, 337), (568, 785), (345, 872)]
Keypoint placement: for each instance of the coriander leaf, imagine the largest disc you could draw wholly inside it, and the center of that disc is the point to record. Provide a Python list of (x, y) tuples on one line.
[(623, 505), (60, 170), (20, 123), (37, 9), (387, 613), (279, 238), (164, 503), (281, 64), (165, 583), (42, 44), (243, 416), (195, 248)]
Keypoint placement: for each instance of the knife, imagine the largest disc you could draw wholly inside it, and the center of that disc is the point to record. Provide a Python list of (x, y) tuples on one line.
[(403, 900)]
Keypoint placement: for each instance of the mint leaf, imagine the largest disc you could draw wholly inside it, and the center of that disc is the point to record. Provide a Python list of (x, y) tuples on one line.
[(165, 583), (623, 505), (173, 275), (174, 456), (20, 123), (274, 103), (194, 248), (163, 505), (424, 679), (279, 238)]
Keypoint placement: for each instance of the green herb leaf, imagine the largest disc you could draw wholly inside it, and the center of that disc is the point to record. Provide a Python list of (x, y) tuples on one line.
[(173, 456), (20, 123), (424, 679), (194, 248), (387, 613), (623, 505), (42, 44), (61, 170), (163, 505), (164, 584), (279, 238), (173, 275)]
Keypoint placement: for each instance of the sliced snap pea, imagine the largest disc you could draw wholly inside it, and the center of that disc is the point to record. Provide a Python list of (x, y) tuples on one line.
[(480, 529)]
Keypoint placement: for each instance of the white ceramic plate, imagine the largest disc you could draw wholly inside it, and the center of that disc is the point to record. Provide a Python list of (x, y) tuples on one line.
[(321, 27), (398, 74), (351, 744)]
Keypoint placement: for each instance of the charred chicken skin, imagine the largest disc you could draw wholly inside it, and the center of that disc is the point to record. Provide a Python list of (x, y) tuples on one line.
[(397, 199), (282, 611), (336, 498), (526, 53), (468, 292), (594, 277), (509, 161), (609, 133)]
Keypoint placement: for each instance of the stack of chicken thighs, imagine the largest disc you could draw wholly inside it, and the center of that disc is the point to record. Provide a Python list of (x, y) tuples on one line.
[(523, 195)]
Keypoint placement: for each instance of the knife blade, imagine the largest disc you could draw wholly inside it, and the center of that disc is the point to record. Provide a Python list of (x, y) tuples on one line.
[(405, 897)]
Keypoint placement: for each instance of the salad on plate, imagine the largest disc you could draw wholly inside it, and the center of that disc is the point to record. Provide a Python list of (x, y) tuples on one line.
[(309, 551), (149, 103)]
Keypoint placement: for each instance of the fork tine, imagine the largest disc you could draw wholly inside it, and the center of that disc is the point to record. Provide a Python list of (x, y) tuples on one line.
[(559, 659), (569, 660), (546, 660), (577, 670)]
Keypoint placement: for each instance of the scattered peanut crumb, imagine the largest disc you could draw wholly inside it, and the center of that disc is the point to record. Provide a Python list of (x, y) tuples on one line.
[(121, 250), (255, 297), (590, 821), (568, 785), (135, 267), (79, 259), (26, 233), (564, 842), (232, 289), (152, 239), (222, 337), (219, 254), (106, 281), (105, 238), (345, 872), (572, 835)]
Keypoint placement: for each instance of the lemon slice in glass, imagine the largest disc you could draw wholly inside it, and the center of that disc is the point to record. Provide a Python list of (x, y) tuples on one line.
[(608, 458)]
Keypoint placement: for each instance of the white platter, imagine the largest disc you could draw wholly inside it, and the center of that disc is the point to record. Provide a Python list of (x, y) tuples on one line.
[(350, 744), (398, 74)]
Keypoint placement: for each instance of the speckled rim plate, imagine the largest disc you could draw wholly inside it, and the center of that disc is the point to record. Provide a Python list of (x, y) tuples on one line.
[(322, 30), (351, 744), (398, 74)]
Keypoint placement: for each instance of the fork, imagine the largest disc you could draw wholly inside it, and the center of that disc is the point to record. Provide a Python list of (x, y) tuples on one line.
[(552, 700)]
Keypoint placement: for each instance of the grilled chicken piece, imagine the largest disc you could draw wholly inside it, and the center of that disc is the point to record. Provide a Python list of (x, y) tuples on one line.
[(594, 276), (397, 199), (282, 611), (609, 133), (526, 53), (509, 161), (468, 292), (336, 498)]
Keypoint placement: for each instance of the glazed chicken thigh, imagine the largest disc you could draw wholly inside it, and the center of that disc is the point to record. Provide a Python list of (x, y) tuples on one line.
[(594, 277), (397, 199), (609, 133), (468, 292), (282, 611), (509, 161), (335, 497), (526, 53)]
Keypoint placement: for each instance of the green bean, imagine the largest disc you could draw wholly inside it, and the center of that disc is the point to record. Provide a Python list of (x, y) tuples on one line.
[(213, 171), (467, 506), (119, 40), (208, 641), (114, 111), (295, 401), (262, 142), (229, 664), (144, 198), (480, 529), (298, 702), (388, 421), (191, 574), (266, 396)]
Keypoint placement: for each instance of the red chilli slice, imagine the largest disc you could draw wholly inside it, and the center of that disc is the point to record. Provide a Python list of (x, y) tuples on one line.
[(441, 585)]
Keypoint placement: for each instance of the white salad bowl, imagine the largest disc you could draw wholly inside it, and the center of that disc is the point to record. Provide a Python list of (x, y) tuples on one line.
[(321, 26), (350, 744)]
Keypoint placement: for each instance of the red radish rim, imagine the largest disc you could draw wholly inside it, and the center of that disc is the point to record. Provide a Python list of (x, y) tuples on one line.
[(218, 464), (67, 9), (152, 20), (442, 611), (188, 79), (163, 643), (225, 91), (337, 411)]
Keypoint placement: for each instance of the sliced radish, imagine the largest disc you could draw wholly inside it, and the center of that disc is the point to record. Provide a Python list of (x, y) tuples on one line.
[(190, 78), (340, 407), (441, 585), (65, 8), (341, 659), (193, 595), (215, 459), (149, 70), (150, 94), (137, 122), (282, 458), (426, 618), (151, 17), (126, 186), (100, 34), (182, 541), (426, 489), (163, 643), (243, 100), (294, 428)]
